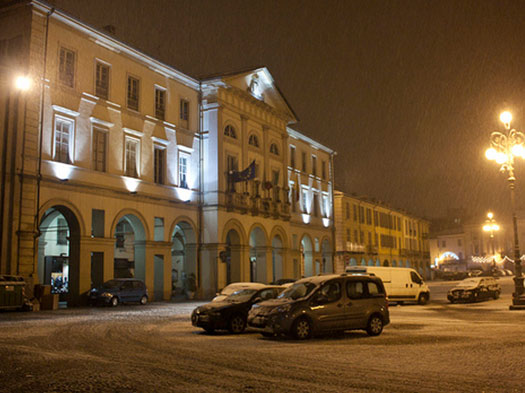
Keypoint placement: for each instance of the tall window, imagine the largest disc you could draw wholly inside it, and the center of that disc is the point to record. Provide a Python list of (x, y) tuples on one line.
[(355, 212), (347, 210), (183, 171), (274, 149), (303, 156), (99, 149), (304, 201), (292, 156), (159, 164), (253, 140), (230, 131), (184, 112), (102, 80), (133, 93), (348, 238), (316, 205), (275, 178), (160, 103), (323, 170), (66, 68), (314, 165), (132, 147), (63, 137)]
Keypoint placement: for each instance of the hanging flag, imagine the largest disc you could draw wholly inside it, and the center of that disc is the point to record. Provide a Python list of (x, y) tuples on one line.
[(245, 175)]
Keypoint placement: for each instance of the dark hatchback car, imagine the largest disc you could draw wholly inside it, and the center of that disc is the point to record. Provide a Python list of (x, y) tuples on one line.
[(474, 289), (232, 312), (324, 303), (119, 290)]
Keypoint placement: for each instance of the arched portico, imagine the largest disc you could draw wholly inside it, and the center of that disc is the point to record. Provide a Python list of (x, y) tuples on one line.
[(183, 255), (258, 248), (130, 247), (326, 250), (58, 262), (307, 255), (277, 258)]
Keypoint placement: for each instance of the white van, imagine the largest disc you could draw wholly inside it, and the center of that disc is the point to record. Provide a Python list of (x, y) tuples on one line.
[(401, 283)]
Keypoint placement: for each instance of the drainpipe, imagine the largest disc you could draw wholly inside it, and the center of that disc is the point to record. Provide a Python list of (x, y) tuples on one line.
[(41, 137), (333, 208), (4, 172), (201, 192)]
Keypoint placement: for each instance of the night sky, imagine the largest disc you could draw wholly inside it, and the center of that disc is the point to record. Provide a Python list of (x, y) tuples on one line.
[(406, 92)]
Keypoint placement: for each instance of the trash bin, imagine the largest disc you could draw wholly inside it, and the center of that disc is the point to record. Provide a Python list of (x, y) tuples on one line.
[(12, 294)]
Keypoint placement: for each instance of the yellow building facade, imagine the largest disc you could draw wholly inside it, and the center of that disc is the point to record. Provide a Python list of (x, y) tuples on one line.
[(372, 234)]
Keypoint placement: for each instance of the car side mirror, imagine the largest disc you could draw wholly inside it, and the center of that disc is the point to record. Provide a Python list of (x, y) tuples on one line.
[(257, 299)]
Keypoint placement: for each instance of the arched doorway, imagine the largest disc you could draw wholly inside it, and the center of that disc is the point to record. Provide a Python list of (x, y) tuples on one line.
[(183, 256), (233, 256), (307, 256), (353, 262), (277, 258), (59, 253), (326, 251), (385, 263), (258, 255), (370, 262), (130, 248)]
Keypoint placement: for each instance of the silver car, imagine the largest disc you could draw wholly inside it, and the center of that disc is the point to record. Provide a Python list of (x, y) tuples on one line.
[(324, 303)]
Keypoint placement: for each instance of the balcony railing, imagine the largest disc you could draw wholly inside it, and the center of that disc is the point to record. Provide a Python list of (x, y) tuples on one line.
[(272, 204)]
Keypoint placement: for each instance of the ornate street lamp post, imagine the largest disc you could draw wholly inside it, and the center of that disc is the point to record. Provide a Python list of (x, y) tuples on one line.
[(504, 148)]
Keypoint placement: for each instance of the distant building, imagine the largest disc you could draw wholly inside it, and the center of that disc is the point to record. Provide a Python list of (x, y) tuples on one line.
[(373, 234), (115, 164)]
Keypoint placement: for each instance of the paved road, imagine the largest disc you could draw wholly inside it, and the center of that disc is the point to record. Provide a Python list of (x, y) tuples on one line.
[(434, 348)]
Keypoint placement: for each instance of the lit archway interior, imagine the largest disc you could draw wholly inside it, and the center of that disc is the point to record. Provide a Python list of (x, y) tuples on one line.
[(277, 258), (258, 255), (233, 257), (326, 251), (183, 256), (130, 248), (59, 253), (307, 256)]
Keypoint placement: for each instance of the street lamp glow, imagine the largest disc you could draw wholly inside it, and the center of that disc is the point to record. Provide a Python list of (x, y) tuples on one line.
[(22, 83), (505, 117), (501, 158), (491, 154), (518, 150), (490, 215)]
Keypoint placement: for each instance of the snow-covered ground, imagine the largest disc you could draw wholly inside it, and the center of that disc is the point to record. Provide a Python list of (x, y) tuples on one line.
[(434, 348)]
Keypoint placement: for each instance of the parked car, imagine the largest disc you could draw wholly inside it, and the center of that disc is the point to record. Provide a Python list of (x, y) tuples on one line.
[(283, 281), (234, 287), (322, 304), (231, 312), (475, 289), (402, 284), (119, 290)]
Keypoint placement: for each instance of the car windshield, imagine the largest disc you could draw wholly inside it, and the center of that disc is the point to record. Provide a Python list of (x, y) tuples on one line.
[(241, 296), (298, 291), (470, 282), (111, 284)]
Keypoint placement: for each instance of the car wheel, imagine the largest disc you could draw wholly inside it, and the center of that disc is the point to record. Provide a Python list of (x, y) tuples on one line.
[(496, 295), (423, 299), (114, 301), (375, 325), (237, 324), (143, 300), (302, 329)]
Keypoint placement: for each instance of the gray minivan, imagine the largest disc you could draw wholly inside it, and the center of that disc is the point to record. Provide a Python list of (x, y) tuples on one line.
[(324, 303)]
